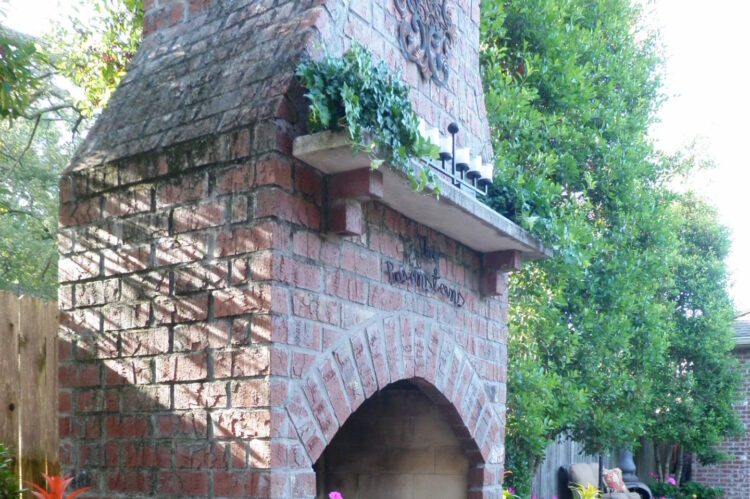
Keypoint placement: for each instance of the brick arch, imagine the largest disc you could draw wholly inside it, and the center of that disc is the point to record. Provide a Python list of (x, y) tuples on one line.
[(397, 348)]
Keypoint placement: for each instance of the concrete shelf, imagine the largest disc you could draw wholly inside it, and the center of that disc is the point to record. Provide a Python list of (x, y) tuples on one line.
[(454, 213)]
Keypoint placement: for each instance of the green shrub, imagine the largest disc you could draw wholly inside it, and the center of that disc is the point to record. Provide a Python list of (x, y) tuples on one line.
[(686, 490), (8, 480)]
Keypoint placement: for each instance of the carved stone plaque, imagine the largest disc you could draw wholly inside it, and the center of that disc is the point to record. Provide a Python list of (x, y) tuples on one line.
[(426, 35)]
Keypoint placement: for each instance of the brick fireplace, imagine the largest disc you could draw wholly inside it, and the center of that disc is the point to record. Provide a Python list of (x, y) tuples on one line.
[(242, 312)]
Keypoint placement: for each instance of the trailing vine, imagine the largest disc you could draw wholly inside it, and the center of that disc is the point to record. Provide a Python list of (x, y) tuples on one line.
[(355, 93)]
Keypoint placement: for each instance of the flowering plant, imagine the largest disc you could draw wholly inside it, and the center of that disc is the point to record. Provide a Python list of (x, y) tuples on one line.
[(335, 495), (57, 486), (588, 492), (509, 493)]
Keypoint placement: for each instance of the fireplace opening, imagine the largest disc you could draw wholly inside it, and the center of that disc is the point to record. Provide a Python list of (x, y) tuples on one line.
[(398, 444)]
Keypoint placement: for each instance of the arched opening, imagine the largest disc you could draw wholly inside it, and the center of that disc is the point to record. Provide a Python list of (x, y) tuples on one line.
[(398, 444)]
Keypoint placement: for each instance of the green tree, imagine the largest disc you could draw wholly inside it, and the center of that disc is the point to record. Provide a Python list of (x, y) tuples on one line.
[(19, 60), (50, 89), (92, 56), (698, 379), (28, 207), (95, 55), (571, 89)]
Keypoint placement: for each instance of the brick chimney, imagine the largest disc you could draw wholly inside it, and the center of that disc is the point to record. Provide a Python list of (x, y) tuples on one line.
[(228, 303), (159, 15)]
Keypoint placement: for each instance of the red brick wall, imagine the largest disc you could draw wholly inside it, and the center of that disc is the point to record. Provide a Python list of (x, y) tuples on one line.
[(375, 25), (214, 336), (160, 15), (734, 476)]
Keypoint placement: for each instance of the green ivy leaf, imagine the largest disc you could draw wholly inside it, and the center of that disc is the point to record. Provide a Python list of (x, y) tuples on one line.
[(354, 92)]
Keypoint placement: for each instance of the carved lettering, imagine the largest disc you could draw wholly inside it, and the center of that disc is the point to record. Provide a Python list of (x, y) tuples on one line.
[(419, 279)]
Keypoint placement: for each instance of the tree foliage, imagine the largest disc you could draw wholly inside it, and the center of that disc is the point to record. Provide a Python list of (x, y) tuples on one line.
[(699, 378), (571, 88), (28, 207), (19, 59), (50, 89), (76, 67), (95, 55)]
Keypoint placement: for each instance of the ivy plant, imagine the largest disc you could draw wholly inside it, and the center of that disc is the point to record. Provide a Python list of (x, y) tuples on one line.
[(355, 93)]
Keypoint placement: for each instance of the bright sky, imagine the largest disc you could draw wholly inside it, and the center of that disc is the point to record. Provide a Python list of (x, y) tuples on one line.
[(706, 82), (35, 17)]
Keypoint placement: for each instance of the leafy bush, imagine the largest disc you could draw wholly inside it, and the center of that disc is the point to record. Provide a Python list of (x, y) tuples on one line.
[(686, 490), (352, 92), (699, 491), (8, 481)]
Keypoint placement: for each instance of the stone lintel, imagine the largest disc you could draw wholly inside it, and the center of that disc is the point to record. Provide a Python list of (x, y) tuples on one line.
[(454, 212)]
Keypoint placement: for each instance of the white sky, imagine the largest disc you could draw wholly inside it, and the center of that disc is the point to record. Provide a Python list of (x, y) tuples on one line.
[(707, 74), (31, 16), (706, 82)]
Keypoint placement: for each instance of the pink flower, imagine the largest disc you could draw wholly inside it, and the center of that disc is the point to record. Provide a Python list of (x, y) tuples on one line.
[(533, 496), (511, 490), (335, 495), (671, 481)]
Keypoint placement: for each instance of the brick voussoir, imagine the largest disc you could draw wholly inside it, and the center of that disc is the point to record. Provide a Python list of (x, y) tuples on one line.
[(321, 407), (364, 364), (393, 348), (305, 425), (350, 377), (376, 344)]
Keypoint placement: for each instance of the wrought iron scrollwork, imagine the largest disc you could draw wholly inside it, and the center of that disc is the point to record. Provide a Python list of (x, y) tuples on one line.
[(427, 35)]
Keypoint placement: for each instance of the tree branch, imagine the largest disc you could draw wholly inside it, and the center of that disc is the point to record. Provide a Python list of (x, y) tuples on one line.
[(28, 143), (46, 267), (50, 109), (30, 214)]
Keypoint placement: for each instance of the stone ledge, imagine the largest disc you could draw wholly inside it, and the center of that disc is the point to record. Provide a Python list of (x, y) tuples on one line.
[(455, 213)]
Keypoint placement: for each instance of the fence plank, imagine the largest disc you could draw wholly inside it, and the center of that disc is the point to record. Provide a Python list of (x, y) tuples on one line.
[(9, 381), (38, 400), (51, 321)]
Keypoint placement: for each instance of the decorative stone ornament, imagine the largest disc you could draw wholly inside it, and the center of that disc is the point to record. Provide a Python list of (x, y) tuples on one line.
[(426, 35)]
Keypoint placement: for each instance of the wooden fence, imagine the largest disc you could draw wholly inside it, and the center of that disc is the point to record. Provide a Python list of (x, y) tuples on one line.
[(28, 383)]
